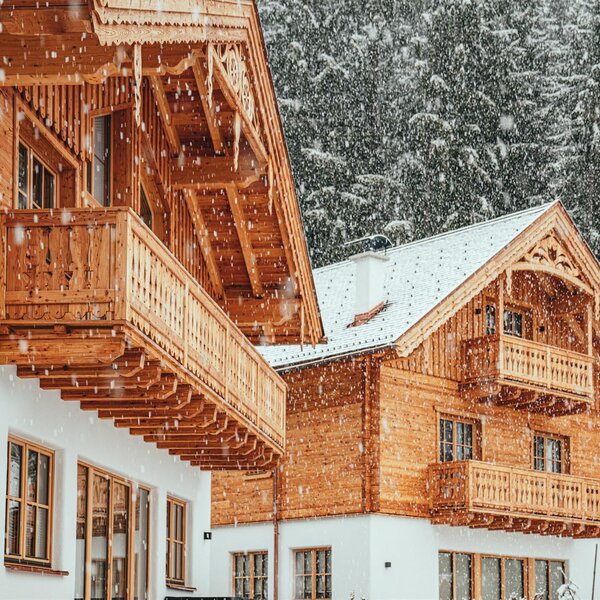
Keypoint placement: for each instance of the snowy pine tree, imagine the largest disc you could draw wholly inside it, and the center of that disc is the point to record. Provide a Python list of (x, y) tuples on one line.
[(412, 117)]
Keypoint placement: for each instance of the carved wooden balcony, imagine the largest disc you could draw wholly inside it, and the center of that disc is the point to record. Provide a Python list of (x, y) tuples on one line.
[(520, 373), (93, 304), (479, 494)]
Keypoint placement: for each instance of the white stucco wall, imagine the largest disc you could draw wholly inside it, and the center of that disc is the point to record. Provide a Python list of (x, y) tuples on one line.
[(362, 545), (41, 416)]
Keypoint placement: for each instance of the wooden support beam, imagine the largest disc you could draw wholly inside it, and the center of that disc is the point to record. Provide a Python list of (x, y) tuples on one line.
[(203, 236), (216, 172), (248, 128), (128, 365), (209, 109), (53, 349), (241, 225), (45, 20), (165, 113), (272, 309), (163, 390)]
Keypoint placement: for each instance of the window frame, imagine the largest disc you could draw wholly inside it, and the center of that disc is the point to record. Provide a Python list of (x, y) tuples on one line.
[(453, 553), (251, 575), (130, 549), (476, 435), (503, 558), (313, 572), (565, 569), (529, 572), (148, 551), (527, 314), (89, 170), (172, 501), (490, 306), (564, 455), (31, 155), (21, 558)]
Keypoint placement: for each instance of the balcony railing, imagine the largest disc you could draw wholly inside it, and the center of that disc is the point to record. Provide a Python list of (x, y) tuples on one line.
[(543, 367), (474, 486), (105, 266)]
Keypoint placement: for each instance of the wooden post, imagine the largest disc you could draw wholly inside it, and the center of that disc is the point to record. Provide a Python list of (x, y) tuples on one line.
[(366, 434), (275, 539), (594, 575), (500, 357), (3, 266), (122, 249), (590, 345), (184, 323)]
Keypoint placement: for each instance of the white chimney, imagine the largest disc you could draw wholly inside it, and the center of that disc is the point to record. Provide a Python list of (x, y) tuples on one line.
[(370, 279)]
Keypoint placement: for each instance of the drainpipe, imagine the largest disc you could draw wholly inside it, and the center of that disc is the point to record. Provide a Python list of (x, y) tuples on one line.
[(275, 539)]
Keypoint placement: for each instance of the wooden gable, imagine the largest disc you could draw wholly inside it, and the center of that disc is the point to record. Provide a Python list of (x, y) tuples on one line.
[(199, 86), (552, 244)]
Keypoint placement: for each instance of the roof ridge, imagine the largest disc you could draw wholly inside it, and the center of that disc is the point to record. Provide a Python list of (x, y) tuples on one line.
[(540, 207)]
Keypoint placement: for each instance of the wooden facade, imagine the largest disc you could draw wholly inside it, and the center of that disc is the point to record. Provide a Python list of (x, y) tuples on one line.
[(150, 226), (364, 432)]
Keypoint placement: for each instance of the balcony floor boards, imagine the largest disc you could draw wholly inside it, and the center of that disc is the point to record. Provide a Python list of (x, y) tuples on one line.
[(115, 370)]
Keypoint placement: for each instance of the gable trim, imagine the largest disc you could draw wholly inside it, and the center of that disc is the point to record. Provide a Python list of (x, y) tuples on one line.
[(555, 217)]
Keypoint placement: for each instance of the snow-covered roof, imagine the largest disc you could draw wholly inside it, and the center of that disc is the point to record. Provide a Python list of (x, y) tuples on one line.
[(419, 275)]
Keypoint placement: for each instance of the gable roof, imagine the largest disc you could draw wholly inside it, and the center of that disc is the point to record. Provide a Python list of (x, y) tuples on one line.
[(420, 275)]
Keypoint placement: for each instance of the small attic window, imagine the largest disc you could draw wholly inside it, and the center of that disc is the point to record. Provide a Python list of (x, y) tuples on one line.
[(365, 317)]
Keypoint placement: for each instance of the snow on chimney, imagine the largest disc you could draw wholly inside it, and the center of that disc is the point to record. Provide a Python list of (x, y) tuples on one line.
[(370, 277)]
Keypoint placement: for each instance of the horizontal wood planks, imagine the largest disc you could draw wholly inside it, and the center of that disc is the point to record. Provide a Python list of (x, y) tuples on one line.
[(323, 470)]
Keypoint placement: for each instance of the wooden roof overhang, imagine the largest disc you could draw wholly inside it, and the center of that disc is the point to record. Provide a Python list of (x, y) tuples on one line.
[(93, 305), (525, 253), (207, 65)]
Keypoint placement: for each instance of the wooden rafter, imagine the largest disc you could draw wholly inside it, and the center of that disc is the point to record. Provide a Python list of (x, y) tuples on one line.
[(165, 113), (209, 109), (204, 241), (241, 225), (216, 172), (235, 102)]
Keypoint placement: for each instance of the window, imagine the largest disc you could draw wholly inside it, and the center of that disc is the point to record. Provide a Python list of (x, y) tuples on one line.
[(99, 170), (250, 575), (455, 576), (175, 541), (457, 439), (36, 181), (513, 323), (145, 210), (142, 544), (103, 529), (463, 576), (502, 578), (312, 574), (490, 319), (549, 453), (28, 503), (549, 576)]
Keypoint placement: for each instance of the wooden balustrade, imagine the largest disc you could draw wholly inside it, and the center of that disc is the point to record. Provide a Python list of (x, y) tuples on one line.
[(510, 359), (475, 486), (105, 266)]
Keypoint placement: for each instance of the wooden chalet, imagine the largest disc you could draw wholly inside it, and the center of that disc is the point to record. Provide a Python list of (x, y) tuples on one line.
[(150, 231), (463, 393)]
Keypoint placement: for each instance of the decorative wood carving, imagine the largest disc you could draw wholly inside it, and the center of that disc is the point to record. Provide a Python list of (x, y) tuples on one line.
[(549, 252), (137, 82), (234, 63)]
